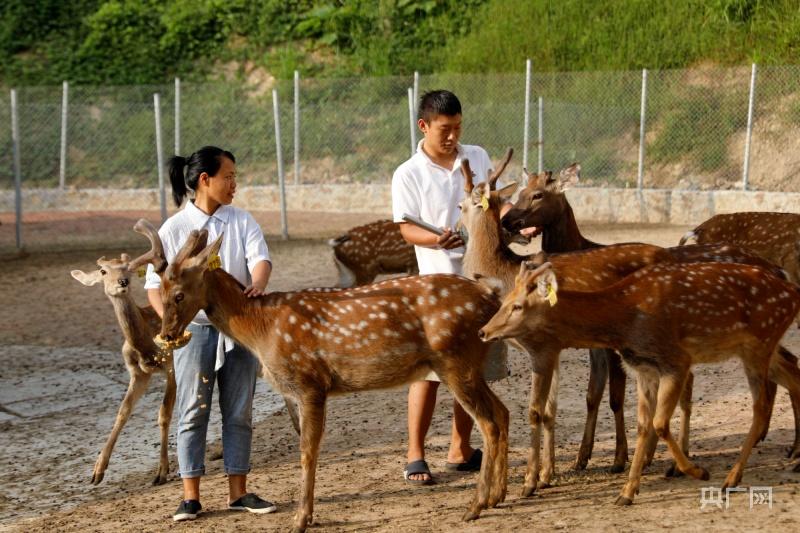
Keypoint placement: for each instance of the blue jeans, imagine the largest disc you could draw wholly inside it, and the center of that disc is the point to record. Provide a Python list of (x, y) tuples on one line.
[(195, 377)]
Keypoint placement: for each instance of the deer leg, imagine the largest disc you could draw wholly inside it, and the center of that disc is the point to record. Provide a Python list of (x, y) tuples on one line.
[(164, 419), (757, 379), (291, 408), (547, 470), (136, 387), (598, 373), (771, 393), (646, 388), (670, 388), (541, 379), (785, 373), (686, 415), (616, 398), (312, 421), (492, 418)]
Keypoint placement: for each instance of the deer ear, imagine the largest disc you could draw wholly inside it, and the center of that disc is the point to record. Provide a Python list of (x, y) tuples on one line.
[(490, 285), (507, 191), (87, 279), (568, 177), (546, 284), (202, 259)]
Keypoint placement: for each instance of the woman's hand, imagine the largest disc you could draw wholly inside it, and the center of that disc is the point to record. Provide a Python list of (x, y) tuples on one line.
[(251, 291)]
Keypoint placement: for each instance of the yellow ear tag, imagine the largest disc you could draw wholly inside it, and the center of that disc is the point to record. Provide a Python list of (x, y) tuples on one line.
[(141, 271), (551, 295), (485, 203), (214, 262)]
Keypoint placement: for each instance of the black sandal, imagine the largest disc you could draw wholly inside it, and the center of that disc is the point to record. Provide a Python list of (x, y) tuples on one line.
[(473, 465), (418, 467)]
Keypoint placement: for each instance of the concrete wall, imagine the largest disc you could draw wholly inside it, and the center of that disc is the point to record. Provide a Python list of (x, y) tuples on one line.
[(590, 204)]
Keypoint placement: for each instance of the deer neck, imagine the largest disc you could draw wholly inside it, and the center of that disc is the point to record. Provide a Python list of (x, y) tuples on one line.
[(487, 254), (564, 235), (134, 327), (591, 319), (233, 313)]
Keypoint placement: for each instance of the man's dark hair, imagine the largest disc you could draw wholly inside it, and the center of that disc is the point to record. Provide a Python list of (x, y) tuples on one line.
[(439, 102)]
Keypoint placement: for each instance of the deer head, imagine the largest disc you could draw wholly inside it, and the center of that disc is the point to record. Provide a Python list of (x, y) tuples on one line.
[(542, 202), (116, 274), (534, 291), (483, 199), (182, 287)]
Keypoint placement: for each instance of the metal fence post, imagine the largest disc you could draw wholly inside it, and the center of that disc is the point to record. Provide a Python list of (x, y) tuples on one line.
[(296, 127), (160, 157), (640, 176), (750, 106), (527, 124), (416, 95), (17, 169), (62, 170), (411, 120), (540, 139), (278, 153), (177, 116)]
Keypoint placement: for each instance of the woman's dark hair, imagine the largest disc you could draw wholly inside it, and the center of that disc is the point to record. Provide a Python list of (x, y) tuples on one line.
[(207, 159), (438, 102)]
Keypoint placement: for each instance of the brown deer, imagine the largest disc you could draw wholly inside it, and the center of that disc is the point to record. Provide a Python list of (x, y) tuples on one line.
[(366, 251), (143, 358), (486, 255), (773, 236), (314, 344), (542, 208), (663, 319)]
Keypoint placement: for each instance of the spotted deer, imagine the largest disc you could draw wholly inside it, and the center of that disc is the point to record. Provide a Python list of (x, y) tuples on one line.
[(542, 209), (366, 251), (660, 321), (143, 358), (773, 236), (316, 344)]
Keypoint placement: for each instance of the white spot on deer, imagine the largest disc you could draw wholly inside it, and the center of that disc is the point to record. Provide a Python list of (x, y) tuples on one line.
[(469, 306), (305, 326), (444, 293), (408, 325), (292, 319), (432, 299), (459, 310)]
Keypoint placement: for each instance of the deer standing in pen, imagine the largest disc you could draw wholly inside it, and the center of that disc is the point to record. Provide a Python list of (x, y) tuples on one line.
[(660, 321), (542, 208), (486, 255), (142, 356), (366, 251), (773, 236), (315, 344)]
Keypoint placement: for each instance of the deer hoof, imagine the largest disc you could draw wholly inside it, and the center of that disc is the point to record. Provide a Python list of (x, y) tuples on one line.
[(793, 453), (159, 480), (543, 485), (673, 471), (527, 491), (623, 500), (796, 468), (470, 516), (97, 477), (580, 464), (617, 468), (704, 475)]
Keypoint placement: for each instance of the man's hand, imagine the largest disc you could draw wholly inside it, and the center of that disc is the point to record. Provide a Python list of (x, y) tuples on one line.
[(449, 240)]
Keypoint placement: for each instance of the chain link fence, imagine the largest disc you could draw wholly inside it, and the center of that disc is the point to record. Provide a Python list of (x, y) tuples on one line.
[(357, 130)]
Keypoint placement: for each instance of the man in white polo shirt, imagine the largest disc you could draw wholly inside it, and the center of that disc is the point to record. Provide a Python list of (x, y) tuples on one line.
[(430, 186)]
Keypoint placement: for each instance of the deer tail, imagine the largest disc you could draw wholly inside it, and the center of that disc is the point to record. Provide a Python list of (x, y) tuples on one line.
[(687, 236), (333, 243)]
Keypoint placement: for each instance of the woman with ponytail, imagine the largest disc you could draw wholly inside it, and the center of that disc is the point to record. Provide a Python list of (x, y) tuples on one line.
[(208, 176)]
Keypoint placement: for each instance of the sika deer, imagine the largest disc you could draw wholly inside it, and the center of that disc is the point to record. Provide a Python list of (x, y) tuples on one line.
[(659, 320), (375, 248), (142, 356), (773, 236), (313, 345)]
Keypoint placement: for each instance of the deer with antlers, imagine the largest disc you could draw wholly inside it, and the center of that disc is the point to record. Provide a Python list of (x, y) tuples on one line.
[(143, 357), (487, 255), (313, 344), (366, 251), (665, 318)]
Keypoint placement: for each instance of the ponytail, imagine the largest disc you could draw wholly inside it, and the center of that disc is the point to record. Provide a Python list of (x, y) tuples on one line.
[(175, 165), (206, 159)]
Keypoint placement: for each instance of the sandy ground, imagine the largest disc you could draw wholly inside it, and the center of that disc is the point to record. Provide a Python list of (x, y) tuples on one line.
[(61, 380)]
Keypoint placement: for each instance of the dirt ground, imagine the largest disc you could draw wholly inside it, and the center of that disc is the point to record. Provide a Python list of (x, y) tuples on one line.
[(61, 380)]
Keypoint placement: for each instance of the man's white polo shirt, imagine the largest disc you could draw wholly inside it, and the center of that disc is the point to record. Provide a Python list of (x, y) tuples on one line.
[(243, 245), (431, 192)]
